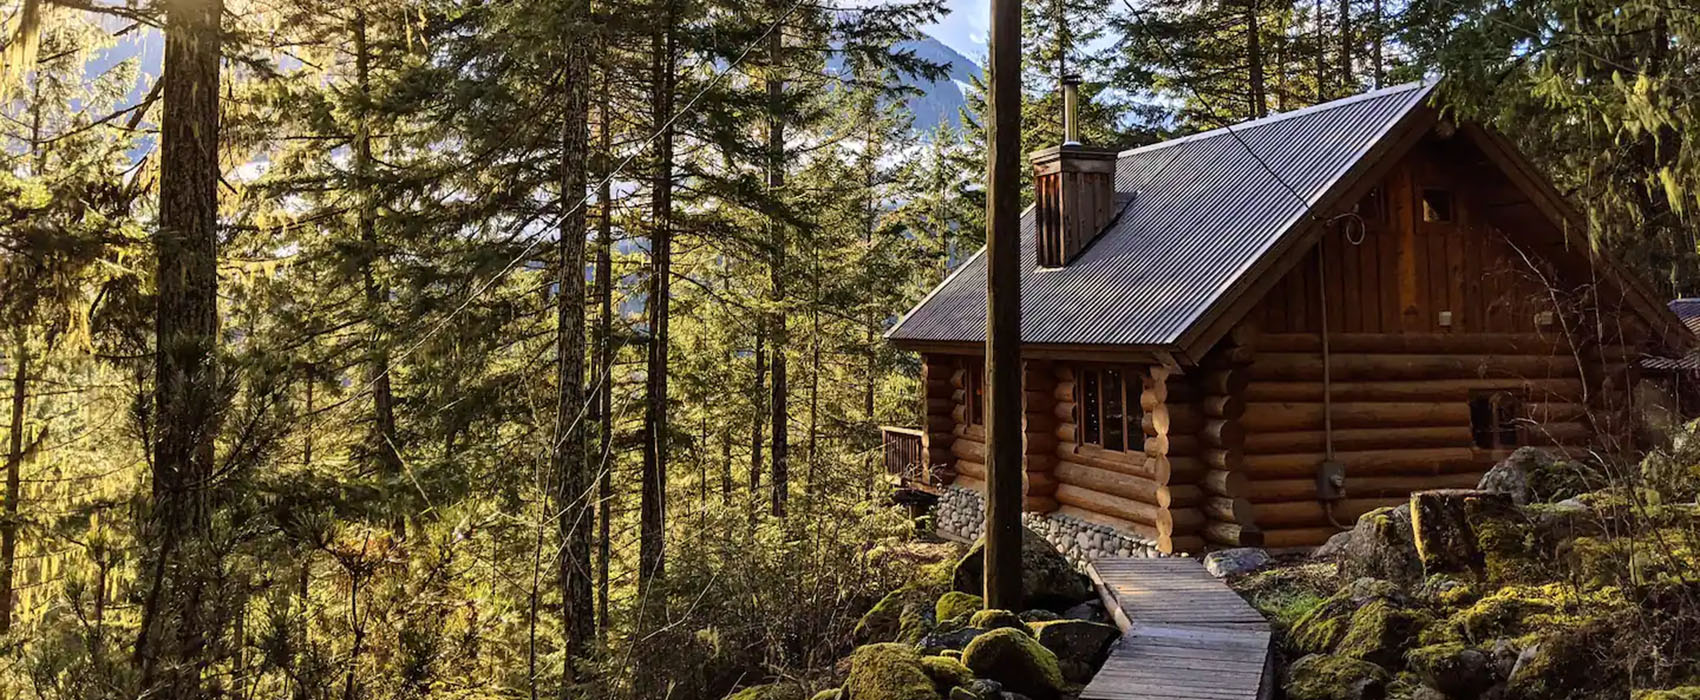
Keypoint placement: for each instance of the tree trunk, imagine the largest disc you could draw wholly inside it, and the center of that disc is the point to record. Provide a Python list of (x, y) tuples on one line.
[(758, 407), (1321, 54), (1348, 81), (14, 465), (775, 183), (604, 360), (1254, 59), (1376, 32), (384, 443), (652, 509), (180, 616), (572, 508)]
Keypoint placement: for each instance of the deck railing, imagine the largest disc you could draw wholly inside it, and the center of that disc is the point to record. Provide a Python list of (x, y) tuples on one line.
[(903, 454)]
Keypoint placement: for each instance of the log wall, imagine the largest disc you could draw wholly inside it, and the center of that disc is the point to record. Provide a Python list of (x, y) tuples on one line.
[(938, 387), (1421, 317), (1153, 492)]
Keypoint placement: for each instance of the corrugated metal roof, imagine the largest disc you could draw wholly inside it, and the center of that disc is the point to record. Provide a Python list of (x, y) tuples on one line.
[(1689, 311), (1203, 208)]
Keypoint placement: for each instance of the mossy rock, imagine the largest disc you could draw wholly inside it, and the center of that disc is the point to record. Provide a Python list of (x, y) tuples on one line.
[(888, 671), (783, 690), (1038, 615), (1564, 664), (1379, 632), (1687, 692), (1320, 629), (955, 604), (1080, 645), (1455, 669), (1016, 660), (1516, 611), (904, 615), (946, 672), (1048, 579), (1382, 546), (997, 619), (1330, 677)]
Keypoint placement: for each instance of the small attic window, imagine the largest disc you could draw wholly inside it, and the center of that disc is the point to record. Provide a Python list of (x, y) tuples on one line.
[(1437, 205), (1372, 208)]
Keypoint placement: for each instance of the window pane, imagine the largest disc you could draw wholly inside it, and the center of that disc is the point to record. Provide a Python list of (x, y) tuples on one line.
[(1114, 429), (1089, 407), (978, 396), (1481, 421), (1508, 410)]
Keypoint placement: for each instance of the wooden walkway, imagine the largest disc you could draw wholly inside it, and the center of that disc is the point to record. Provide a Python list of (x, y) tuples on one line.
[(1186, 635)]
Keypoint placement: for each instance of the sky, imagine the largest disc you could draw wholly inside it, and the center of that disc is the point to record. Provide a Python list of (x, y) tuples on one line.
[(964, 29)]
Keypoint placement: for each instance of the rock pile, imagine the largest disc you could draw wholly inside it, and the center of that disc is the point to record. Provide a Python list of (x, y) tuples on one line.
[(925, 641), (1478, 593)]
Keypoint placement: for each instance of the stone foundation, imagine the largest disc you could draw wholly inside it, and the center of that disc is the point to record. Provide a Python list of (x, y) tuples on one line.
[(961, 512)]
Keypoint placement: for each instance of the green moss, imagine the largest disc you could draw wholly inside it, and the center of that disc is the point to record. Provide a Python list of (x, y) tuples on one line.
[(1379, 633), (1656, 555), (1455, 669), (829, 694), (1687, 692), (997, 619), (1011, 657), (889, 672), (946, 672), (1515, 611), (1320, 629), (954, 604), (1565, 665), (770, 691), (1285, 594), (904, 615), (1506, 541), (1329, 677)]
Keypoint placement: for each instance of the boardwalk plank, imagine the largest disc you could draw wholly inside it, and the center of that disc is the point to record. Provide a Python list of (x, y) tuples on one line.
[(1188, 636)]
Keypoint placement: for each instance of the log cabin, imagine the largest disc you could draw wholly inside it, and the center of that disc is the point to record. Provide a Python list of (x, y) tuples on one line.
[(1253, 335)]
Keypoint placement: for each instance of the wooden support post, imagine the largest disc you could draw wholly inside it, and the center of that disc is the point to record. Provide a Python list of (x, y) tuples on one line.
[(1003, 310)]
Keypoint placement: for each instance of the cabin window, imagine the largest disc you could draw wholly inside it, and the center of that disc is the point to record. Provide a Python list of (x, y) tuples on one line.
[(1109, 409), (1493, 420), (1373, 207), (974, 392), (1437, 205)]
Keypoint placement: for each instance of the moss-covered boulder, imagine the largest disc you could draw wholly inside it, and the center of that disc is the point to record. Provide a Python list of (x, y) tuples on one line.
[(1381, 546), (943, 640), (1038, 615), (1380, 632), (1440, 523), (946, 672), (772, 691), (904, 615), (1330, 677), (1454, 669), (955, 604), (1564, 664), (1048, 580), (1319, 630), (1016, 660), (888, 671), (1687, 692), (1080, 645), (996, 619)]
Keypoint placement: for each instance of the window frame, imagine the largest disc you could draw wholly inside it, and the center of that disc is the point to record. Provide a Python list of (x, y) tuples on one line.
[(1090, 417), (974, 392), (1503, 413)]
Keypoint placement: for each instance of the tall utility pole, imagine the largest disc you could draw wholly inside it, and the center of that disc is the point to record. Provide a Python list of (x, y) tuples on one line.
[(1003, 311)]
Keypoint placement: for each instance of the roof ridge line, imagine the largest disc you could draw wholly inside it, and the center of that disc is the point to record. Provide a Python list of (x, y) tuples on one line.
[(1282, 116)]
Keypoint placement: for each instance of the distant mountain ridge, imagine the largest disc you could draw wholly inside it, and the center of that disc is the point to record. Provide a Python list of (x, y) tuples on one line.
[(940, 101)]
